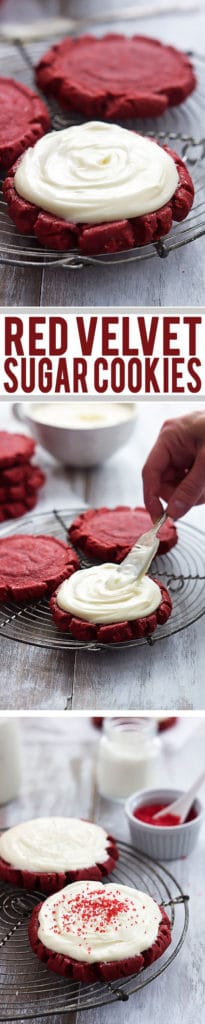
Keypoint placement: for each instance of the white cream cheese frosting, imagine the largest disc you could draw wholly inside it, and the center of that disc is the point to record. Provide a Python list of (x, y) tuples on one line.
[(54, 844), (92, 922), (104, 594), (96, 172)]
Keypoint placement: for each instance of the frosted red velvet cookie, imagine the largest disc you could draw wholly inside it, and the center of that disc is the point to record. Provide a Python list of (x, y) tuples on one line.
[(99, 188), (48, 853), (116, 76), (107, 606), (31, 566), (110, 533), (91, 932), (23, 119)]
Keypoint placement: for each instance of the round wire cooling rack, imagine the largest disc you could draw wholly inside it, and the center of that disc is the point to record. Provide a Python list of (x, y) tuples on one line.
[(176, 128), (182, 570), (29, 990)]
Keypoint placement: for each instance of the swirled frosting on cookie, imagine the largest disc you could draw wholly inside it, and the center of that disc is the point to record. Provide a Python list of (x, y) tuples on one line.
[(91, 922), (54, 844), (106, 594), (96, 172)]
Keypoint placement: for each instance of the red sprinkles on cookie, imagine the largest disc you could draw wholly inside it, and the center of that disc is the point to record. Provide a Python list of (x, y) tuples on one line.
[(106, 910), (116, 76), (93, 239), (31, 566), (109, 534), (24, 118)]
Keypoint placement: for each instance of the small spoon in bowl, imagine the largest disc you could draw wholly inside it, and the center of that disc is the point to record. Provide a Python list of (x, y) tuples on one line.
[(182, 805)]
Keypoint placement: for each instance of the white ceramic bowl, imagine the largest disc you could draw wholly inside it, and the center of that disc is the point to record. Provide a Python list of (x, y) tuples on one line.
[(86, 445), (162, 842)]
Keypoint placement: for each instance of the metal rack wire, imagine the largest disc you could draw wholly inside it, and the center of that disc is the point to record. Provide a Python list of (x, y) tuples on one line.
[(176, 128), (30, 991), (182, 570)]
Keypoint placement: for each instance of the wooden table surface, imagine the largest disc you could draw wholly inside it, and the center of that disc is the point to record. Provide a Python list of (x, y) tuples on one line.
[(58, 778), (169, 675), (181, 278)]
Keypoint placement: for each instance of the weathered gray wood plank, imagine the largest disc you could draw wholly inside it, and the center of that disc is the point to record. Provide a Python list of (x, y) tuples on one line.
[(34, 679)]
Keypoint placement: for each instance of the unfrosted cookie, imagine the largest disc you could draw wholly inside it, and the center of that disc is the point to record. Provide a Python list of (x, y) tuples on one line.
[(14, 449), (116, 76), (110, 533), (23, 119), (31, 566)]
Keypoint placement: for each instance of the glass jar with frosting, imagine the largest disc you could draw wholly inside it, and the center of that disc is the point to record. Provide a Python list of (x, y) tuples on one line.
[(128, 757)]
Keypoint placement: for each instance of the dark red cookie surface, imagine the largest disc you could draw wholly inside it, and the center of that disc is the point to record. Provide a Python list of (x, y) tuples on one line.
[(23, 119), (110, 971), (58, 234), (33, 565), (50, 882), (109, 534), (115, 76), (116, 632), (14, 449)]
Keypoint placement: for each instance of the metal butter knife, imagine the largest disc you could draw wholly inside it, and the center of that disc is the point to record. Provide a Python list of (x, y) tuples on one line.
[(140, 557)]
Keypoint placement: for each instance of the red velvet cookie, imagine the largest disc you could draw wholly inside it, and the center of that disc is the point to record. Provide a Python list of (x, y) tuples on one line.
[(51, 880), (23, 119), (116, 76), (15, 449), (108, 534), (117, 632), (95, 970), (15, 509), (93, 239), (31, 566)]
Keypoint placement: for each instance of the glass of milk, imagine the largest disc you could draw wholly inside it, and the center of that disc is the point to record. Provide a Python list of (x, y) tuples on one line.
[(10, 759), (128, 757)]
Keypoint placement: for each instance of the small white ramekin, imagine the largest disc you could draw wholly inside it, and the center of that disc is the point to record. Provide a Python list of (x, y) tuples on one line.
[(162, 842)]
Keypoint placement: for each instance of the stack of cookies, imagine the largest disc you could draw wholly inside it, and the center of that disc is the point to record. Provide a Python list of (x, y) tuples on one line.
[(19, 478)]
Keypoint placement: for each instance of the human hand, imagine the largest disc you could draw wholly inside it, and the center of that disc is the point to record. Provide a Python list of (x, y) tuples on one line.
[(175, 468)]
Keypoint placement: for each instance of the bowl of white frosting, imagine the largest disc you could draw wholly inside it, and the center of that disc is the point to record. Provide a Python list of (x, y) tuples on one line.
[(79, 433)]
